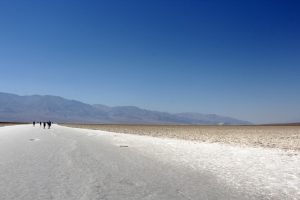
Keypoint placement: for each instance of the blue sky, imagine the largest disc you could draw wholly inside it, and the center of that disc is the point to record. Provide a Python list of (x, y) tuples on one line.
[(235, 58)]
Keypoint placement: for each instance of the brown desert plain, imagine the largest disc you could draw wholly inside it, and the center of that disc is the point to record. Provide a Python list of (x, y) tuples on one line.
[(9, 123), (268, 136)]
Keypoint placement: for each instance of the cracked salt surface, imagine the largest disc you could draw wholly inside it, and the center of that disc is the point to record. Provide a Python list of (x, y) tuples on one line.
[(86, 164), (273, 173)]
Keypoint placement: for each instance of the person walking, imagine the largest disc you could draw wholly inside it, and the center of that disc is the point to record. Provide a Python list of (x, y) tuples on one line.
[(33, 123), (44, 123), (49, 124), (40, 123)]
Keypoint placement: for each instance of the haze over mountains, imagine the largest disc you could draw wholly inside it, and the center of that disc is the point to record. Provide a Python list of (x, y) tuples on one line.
[(36, 107)]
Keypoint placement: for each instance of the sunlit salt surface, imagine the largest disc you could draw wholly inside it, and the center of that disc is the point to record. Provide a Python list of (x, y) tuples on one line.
[(270, 172)]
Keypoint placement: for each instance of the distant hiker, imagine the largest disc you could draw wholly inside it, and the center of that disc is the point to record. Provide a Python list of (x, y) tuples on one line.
[(49, 124), (33, 123), (40, 123), (44, 123)]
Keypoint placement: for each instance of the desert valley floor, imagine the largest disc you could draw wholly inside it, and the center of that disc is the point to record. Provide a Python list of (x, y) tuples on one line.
[(73, 163)]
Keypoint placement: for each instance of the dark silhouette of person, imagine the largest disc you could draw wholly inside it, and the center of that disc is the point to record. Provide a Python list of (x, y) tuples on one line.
[(44, 123), (33, 123), (40, 123), (49, 124)]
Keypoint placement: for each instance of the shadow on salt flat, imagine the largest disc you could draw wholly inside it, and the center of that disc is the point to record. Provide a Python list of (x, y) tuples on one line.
[(34, 139)]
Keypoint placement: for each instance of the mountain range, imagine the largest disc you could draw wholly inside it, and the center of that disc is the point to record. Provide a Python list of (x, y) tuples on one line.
[(15, 108)]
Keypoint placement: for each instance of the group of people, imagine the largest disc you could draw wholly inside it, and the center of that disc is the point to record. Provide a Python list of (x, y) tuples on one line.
[(49, 123)]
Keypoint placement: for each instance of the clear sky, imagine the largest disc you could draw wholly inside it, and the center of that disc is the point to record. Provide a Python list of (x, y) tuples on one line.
[(235, 58)]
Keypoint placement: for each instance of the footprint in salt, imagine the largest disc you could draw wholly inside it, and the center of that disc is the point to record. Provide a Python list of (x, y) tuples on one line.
[(34, 139)]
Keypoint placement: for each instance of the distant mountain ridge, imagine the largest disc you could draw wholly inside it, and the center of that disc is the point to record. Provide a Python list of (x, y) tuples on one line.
[(37, 107)]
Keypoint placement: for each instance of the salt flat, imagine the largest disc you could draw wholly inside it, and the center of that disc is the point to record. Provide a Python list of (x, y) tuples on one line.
[(69, 163), (268, 136)]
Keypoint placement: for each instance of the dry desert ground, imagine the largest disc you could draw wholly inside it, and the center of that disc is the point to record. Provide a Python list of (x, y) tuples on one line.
[(9, 123), (283, 137)]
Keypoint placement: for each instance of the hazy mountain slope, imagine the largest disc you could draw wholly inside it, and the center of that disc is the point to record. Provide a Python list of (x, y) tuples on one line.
[(37, 107), (28, 108)]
